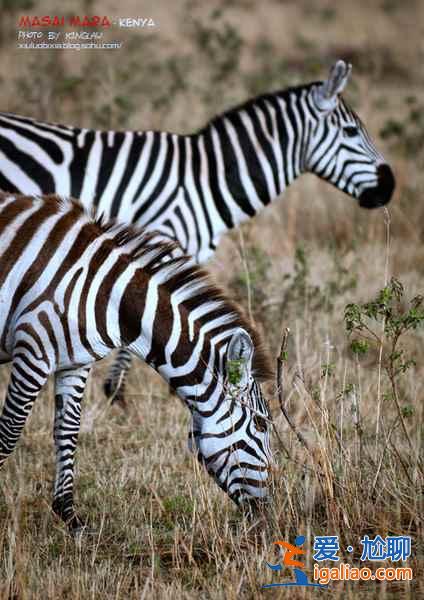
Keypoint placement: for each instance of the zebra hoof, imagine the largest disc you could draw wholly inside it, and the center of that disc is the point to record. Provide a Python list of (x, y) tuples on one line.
[(107, 389), (82, 531), (79, 528)]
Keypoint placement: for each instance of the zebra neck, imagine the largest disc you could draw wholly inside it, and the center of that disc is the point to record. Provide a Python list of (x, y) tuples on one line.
[(200, 389), (193, 375), (191, 366), (250, 156)]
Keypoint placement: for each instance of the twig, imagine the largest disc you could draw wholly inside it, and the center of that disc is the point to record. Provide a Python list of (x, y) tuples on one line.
[(380, 463), (402, 422), (281, 359), (402, 462), (387, 221), (315, 470)]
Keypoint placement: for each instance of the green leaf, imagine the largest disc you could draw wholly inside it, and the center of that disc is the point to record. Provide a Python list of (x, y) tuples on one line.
[(359, 347), (235, 370), (408, 411)]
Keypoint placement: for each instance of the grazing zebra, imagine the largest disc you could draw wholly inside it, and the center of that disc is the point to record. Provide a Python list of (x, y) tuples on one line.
[(72, 289), (194, 188)]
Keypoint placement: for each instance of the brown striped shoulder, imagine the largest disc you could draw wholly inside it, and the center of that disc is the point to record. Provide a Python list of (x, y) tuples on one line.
[(156, 255)]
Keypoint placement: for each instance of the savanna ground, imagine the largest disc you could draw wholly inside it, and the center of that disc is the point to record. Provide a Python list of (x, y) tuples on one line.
[(164, 530)]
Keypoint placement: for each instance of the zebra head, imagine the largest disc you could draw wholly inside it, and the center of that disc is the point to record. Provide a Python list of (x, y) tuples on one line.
[(339, 148), (233, 440)]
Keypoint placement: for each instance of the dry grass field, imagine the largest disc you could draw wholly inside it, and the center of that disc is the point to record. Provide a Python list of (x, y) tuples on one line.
[(163, 528)]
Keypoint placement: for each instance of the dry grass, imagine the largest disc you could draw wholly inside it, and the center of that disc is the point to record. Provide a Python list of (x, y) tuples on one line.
[(164, 530)]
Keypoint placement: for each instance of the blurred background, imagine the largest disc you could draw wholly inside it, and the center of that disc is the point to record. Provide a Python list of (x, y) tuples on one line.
[(296, 265)]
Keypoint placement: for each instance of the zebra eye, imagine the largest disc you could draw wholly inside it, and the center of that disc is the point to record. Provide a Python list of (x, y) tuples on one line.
[(350, 131), (260, 423)]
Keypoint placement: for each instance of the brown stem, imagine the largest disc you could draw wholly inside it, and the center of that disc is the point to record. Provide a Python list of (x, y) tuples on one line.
[(282, 358), (399, 411)]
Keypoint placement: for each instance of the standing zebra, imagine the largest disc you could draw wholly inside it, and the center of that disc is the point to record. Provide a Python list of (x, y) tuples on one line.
[(72, 289), (194, 188)]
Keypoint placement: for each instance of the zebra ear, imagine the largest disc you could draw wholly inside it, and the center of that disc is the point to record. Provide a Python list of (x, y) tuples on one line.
[(239, 358), (326, 94)]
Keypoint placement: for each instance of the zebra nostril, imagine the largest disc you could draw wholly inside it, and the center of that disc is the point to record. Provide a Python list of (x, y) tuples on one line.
[(386, 181), (382, 192)]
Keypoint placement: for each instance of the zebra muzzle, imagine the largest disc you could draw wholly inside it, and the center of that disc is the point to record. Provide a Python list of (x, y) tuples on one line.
[(382, 192)]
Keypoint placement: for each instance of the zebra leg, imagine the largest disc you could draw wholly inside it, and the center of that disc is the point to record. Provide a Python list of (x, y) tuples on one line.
[(69, 390), (114, 386), (26, 380)]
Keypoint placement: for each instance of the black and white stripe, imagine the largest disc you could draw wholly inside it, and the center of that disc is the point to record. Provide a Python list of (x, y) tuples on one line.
[(72, 289), (194, 188)]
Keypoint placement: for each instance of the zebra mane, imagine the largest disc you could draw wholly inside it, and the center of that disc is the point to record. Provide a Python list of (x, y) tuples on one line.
[(261, 98), (154, 255), (205, 290)]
